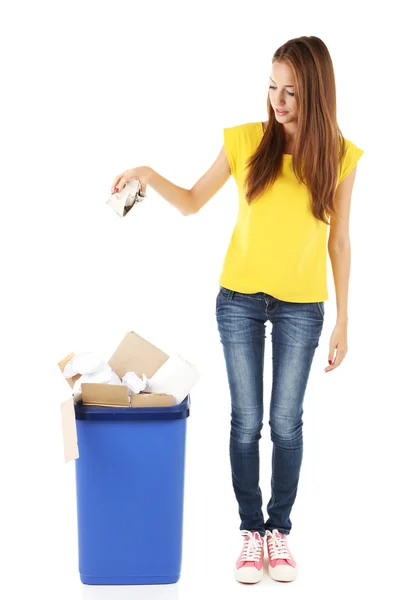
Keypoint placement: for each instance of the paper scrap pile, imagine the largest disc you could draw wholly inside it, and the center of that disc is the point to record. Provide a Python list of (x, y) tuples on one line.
[(138, 374)]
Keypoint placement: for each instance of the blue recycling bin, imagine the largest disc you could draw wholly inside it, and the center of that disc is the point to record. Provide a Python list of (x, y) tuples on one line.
[(130, 493)]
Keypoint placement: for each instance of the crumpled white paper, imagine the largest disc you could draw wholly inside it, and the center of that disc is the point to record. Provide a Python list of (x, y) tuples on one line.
[(134, 383), (122, 202), (92, 368), (84, 362)]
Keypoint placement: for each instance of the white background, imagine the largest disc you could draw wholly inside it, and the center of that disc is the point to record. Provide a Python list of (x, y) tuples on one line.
[(93, 88)]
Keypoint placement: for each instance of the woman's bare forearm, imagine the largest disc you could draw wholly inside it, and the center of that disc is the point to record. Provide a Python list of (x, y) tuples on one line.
[(179, 197), (341, 260)]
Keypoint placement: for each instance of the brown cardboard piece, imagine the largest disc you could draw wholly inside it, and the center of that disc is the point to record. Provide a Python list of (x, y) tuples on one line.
[(137, 354), (62, 365), (101, 394), (69, 430)]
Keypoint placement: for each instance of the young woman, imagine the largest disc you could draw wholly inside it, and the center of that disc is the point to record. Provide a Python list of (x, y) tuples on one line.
[(295, 174)]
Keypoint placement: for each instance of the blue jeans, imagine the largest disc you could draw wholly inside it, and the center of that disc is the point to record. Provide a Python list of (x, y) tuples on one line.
[(296, 329)]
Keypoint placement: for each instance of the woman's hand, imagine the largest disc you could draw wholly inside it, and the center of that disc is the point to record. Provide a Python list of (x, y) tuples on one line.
[(142, 174), (338, 341)]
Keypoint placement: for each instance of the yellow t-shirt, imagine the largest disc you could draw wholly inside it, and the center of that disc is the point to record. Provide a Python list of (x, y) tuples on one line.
[(277, 245)]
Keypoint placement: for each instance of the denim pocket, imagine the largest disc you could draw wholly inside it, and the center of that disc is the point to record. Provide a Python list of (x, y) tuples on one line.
[(216, 300), (223, 294), (321, 309)]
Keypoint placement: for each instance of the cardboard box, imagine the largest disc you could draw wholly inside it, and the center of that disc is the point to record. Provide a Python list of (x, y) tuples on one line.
[(134, 353)]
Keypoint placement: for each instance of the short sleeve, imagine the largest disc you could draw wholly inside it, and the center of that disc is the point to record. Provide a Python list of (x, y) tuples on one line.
[(351, 157), (230, 144)]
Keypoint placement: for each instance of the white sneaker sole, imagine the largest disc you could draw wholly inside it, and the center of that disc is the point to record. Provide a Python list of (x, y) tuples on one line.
[(248, 575), (282, 572)]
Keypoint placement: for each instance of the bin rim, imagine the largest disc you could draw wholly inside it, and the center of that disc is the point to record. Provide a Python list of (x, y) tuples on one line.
[(174, 412)]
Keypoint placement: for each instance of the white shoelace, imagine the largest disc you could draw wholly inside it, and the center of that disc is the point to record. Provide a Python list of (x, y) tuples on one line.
[(252, 547), (277, 546)]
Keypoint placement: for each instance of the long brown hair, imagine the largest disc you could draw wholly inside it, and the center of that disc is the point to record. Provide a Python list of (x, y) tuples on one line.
[(319, 147)]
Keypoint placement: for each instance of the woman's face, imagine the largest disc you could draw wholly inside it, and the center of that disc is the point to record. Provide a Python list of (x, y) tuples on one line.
[(282, 93)]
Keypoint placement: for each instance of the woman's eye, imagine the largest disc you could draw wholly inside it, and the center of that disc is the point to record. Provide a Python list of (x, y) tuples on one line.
[(274, 88)]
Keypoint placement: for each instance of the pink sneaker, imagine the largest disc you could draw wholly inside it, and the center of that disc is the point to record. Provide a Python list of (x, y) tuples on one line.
[(282, 566), (249, 565)]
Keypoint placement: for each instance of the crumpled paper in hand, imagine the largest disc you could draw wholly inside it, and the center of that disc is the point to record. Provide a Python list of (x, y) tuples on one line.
[(122, 202)]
